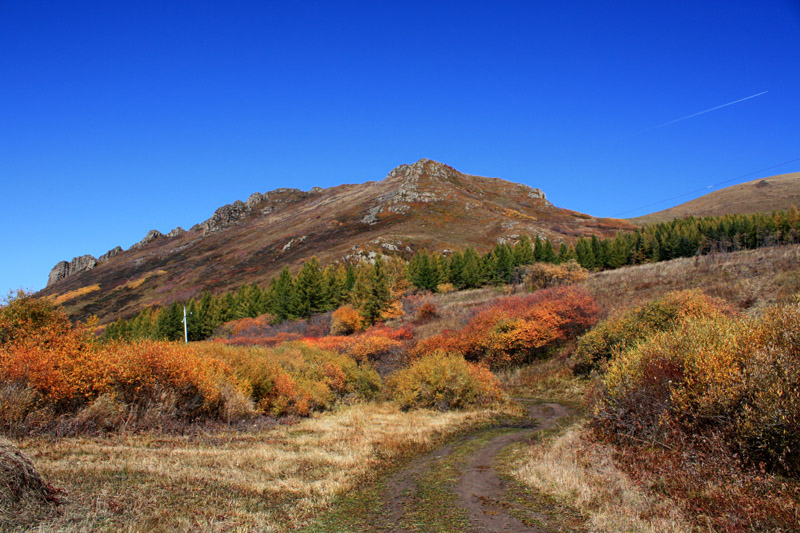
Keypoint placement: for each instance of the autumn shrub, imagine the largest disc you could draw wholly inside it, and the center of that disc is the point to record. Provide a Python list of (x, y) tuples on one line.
[(445, 288), (295, 378), (345, 321), (444, 381), (246, 327), (516, 329), (59, 368), (426, 311), (263, 329), (370, 345), (542, 275), (618, 333), (732, 377), (768, 421), (24, 316), (145, 369)]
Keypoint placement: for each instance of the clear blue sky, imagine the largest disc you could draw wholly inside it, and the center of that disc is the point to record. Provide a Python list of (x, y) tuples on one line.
[(121, 117)]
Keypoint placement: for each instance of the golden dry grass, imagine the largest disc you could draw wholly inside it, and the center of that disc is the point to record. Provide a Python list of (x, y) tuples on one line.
[(138, 282), (67, 296), (758, 196), (747, 279), (266, 479), (583, 475)]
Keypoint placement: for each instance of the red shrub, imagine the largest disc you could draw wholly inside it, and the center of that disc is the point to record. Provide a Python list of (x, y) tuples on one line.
[(516, 328)]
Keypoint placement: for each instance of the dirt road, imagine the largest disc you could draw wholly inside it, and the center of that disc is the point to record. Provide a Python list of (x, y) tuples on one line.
[(456, 487)]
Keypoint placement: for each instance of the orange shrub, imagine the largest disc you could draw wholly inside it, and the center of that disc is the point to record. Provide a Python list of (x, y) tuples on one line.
[(444, 381), (143, 368), (426, 311), (345, 320), (517, 328), (372, 344), (295, 378)]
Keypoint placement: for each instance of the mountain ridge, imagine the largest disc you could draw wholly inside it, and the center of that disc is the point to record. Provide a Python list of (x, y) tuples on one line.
[(425, 204), (768, 194)]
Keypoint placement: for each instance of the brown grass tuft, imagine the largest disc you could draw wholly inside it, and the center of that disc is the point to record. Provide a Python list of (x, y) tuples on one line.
[(24, 496)]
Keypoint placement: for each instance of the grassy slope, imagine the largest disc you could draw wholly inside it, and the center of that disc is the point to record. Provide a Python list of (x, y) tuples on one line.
[(757, 196)]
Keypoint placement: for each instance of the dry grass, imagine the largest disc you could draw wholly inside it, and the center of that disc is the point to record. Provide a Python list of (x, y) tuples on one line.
[(757, 196), (583, 474), (138, 282), (747, 279), (24, 496), (67, 296), (547, 380), (261, 479)]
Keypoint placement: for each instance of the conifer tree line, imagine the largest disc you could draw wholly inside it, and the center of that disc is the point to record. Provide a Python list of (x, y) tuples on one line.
[(370, 286), (367, 286)]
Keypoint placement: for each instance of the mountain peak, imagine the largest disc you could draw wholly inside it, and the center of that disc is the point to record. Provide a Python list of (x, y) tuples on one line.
[(427, 167)]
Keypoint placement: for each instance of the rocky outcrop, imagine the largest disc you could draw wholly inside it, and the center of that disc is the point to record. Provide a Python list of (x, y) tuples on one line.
[(176, 232), (152, 235), (409, 191), (63, 269), (232, 214), (109, 254), (225, 216), (429, 181)]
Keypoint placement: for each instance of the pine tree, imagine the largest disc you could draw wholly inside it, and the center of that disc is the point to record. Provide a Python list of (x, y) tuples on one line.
[(371, 291), (423, 271), (310, 289), (584, 254), (565, 253), (502, 264), (282, 296), (549, 253), (472, 273), (523, 251)]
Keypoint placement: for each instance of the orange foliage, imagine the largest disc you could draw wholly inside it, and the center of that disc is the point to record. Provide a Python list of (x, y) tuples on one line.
[(369, 345), (517, 328), (736, 377), (345, 320)]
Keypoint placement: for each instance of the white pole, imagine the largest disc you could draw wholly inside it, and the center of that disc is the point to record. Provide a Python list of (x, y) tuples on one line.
[(185, 329)]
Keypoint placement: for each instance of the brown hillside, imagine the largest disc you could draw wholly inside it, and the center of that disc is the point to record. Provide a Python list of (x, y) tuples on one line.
[(758, 196), (423, 205)]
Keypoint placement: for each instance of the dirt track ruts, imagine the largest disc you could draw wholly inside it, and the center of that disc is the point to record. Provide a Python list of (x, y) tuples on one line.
[(481, 491)]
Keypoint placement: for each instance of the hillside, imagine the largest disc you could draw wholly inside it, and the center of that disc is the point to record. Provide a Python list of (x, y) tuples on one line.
[(423, 205), (758, 196)]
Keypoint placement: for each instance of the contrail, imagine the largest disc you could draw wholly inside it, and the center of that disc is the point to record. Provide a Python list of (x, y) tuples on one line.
[(701, 112)]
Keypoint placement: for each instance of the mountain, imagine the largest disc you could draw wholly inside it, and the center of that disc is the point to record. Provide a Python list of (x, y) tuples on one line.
[(423, 205), (757, 196)]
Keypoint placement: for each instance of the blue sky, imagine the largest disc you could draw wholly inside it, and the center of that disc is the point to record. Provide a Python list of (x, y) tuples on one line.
[(121, 117)]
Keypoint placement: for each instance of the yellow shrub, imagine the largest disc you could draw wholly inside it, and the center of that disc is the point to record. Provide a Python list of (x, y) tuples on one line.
[(543, 275), (619, 333), (444, 381), (295, 378), (737, 377)]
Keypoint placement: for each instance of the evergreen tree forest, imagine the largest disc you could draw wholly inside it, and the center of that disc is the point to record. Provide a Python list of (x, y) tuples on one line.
[(370, 286)]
